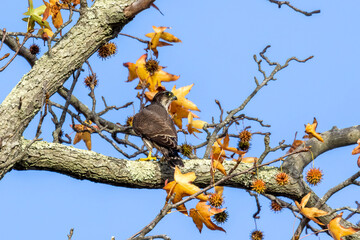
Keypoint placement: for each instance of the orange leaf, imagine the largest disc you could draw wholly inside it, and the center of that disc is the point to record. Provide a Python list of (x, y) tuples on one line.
[(337, 231), (311, 130), (219, 190), (194, 125), (310, 213), (356, 150), (249, 159), (295, 145), (155, 37), (132, 71), (202, 213), (53, 9), (225, 145), (182, 186), (83, 133), (165, 36), (217, 153), (178, 113), (218, 165), (46, 33)]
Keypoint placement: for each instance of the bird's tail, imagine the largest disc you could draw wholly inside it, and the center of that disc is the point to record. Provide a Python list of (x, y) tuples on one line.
[(174, 159)]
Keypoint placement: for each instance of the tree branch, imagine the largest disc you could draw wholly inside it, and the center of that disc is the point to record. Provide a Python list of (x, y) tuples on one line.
[(287, 3)]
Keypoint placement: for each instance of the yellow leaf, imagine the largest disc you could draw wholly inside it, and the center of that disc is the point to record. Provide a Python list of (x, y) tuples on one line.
[(180, 93), (310, 213), (218, 165), (249, 159), (194, 125), (155, 37), (138, 70), (165, 36), (311, 130), (182, 186), (356, 150), (337, 231)]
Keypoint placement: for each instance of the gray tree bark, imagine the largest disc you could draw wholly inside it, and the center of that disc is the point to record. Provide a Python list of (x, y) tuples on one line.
[(96, 26)]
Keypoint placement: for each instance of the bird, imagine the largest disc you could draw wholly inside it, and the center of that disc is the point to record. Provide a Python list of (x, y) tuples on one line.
[(157, 130)]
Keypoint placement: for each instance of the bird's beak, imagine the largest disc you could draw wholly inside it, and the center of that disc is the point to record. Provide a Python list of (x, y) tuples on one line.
[(174, 98)]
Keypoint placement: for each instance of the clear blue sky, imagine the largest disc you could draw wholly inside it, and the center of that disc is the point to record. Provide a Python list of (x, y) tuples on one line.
[(217, 55)]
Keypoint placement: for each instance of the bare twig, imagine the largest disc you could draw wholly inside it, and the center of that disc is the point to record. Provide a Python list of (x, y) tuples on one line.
[(108, 108), (139, 39), (337, 188), (92, 87), (352, 210), (221, 110), (5, 56), (99, 131), (43, 114), (67, 103), (156, 220), (281, 202), (256, 196), (17, 52), (31, 35), (163, 236), (3, 37), (280, 3), (70, 234), (229, 117), (13, 45)]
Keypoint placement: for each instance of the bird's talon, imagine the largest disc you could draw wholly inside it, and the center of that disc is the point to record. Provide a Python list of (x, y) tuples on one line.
[(148, 158)]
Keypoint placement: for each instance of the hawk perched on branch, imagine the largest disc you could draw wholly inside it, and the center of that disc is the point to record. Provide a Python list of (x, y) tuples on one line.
[(157, 129)]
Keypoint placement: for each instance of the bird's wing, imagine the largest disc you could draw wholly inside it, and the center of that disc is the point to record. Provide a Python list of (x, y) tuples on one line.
[(155, 124)]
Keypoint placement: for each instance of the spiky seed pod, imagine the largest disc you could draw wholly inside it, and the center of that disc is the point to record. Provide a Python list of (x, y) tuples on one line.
[(282, 178), (216, 200), (243, 145), (152, 66), (91, 81), (258, 186), (222, 217), (244, 142), (129, 121), (314, 176), (245, 136), (257, 235), (186, 150), (275, 206), (34, 49), (107, 50)]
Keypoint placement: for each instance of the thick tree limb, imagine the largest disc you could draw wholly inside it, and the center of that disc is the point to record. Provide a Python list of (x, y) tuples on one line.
[(96, 26), (96, 167), (334, 138)]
